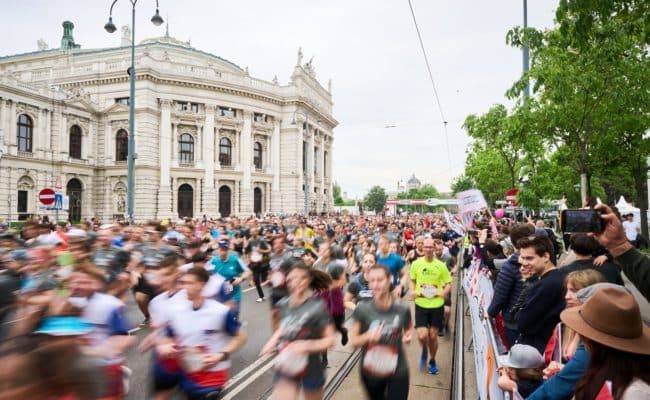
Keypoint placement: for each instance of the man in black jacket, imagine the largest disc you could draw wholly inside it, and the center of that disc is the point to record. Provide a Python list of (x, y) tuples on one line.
[(508, 285), (584, 246), (545, 300)]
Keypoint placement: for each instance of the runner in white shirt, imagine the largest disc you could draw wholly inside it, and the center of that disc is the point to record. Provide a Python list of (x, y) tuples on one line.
[(166, 369), (203, 333), (109, 339)]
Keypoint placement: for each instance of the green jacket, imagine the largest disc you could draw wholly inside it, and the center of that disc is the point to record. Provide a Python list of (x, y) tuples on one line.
[(636, 266)]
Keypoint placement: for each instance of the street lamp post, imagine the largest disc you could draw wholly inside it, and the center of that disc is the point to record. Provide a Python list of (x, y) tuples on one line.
[(131, 156), (306, 169)]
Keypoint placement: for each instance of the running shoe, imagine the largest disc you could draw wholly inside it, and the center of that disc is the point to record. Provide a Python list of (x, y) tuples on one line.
[(260, 299), (433, 370), (423, 358)]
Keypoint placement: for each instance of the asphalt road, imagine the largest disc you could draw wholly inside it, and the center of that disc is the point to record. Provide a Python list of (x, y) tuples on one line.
[(250, 376)]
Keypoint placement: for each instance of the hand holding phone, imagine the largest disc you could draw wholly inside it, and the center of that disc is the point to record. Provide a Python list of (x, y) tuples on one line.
[(581, 220)]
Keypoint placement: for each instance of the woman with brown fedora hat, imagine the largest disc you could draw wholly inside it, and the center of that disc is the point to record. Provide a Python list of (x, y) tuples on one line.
[(619, 343)]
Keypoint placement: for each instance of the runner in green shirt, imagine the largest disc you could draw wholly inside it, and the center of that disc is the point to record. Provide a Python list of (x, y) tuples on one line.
[(430, 285)]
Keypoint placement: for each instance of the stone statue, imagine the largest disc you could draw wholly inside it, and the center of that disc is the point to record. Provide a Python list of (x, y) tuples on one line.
[(309, 67), (121, 204), (329, 85), (42, 45), (126, 36), (299, 60), (275, 79)]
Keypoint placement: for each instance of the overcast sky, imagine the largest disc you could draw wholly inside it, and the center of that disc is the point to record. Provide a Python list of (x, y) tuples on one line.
[(369, 49)]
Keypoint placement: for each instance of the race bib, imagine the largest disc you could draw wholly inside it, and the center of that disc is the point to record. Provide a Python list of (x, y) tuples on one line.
[(192, 359), (428, 291), (291, 365), (256, 257), (380, 360), (277, 278)]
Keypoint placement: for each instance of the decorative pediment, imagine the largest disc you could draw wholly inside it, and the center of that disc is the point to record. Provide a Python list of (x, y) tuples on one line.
[(78, 97), (115, 108), (83, 123), (22, 108)]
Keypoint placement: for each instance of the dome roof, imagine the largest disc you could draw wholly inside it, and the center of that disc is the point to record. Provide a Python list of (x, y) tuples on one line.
[(413, 180)]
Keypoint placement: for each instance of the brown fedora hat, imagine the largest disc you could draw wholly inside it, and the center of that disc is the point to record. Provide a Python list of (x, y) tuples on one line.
[(610, 317)]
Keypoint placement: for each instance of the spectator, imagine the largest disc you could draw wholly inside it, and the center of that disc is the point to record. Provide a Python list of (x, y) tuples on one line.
[(619, 344), (635, 264), (584, 246), (508, 286), (540, 312), (632, 229), (522, 370), (561, 380)]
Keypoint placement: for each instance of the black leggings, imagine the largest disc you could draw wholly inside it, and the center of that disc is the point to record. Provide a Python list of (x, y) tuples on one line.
[(259, 275), (393, 388)]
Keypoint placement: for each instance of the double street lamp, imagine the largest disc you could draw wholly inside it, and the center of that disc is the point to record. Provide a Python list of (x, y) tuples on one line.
[(130, 160), (306, 155)]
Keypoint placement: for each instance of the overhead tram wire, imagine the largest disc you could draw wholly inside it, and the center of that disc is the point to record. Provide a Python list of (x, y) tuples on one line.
[(433, 83)]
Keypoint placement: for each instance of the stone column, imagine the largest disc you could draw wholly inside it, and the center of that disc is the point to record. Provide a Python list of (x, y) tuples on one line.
[(174, 138), (164, 146), (246, 204), (236, 210), (200, 133), (310, 169), (276, 196), (267, 196), (88, 143), (108, 143), (215, 149), (12, 129), (63, 138), (321, 173), (47, 137), (209, 205), (300, 172), (3, 127)]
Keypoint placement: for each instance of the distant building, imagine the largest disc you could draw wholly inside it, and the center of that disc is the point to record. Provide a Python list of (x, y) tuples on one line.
[(210, 139), (413, 183)]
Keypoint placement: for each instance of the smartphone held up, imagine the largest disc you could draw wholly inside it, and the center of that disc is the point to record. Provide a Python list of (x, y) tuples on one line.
[(581, 220)]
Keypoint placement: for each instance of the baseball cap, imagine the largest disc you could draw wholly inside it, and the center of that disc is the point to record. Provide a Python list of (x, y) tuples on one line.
[(63, 326), (224, 244), (523, 356)]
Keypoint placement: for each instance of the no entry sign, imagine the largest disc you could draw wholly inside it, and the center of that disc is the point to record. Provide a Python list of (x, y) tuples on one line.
[(46, 196)]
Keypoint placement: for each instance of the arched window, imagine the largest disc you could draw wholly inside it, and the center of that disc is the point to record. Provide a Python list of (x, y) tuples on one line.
[(225, 152), (74, 146), (257, 155), (186, 148), (25, 133), (121, 145)]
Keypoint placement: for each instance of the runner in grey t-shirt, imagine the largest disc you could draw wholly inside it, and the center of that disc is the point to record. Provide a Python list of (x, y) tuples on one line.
[(380, 326)]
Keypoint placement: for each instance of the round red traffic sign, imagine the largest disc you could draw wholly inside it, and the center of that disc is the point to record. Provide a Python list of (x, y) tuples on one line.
[(46, 196)]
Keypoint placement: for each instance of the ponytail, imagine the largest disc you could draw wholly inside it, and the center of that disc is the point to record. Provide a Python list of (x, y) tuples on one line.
[(320, 280)]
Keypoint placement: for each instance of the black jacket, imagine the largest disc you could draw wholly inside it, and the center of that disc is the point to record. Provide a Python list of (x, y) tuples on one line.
[(610, 271), (541, 310), (507, 289)]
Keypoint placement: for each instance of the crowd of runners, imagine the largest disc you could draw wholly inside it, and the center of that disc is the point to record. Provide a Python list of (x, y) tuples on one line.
[(64, 289)]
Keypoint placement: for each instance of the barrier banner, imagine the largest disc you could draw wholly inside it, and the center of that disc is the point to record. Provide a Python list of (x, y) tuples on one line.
[(479, 292)]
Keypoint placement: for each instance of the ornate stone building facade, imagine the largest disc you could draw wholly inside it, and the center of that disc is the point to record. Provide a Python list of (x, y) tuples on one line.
[(210, 139)]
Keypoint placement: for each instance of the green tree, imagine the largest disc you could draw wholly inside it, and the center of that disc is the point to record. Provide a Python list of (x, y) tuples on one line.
[(375, 200), (336, 191), (592, 92), (461, 183), (489, 172), (426, 191)]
